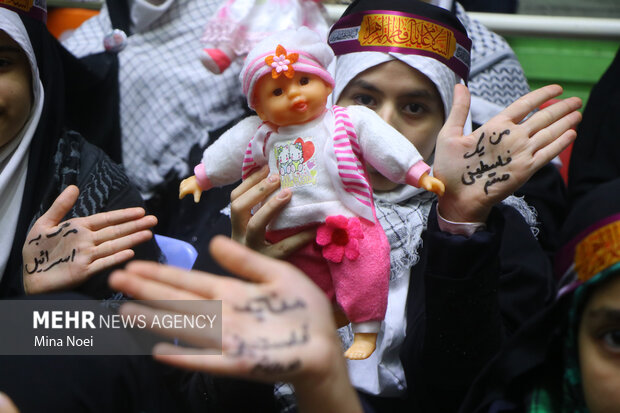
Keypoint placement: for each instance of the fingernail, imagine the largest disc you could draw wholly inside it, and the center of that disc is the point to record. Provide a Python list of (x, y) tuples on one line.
[(283, 194), (274, 178)]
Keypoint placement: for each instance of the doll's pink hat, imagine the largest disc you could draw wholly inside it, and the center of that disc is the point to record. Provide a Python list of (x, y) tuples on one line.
[(283, 53)]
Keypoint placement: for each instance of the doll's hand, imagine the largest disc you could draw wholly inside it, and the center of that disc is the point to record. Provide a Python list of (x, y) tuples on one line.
[(249, 229), (61, 255), (432, 184), (276, 323), (483, 168), (190, 186)]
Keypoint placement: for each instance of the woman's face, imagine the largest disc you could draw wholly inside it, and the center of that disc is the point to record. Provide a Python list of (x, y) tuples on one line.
[(15, 89), (599, 349), (404, 98)]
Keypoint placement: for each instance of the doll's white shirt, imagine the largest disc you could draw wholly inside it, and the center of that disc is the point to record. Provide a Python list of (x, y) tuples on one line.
[(314, 195)]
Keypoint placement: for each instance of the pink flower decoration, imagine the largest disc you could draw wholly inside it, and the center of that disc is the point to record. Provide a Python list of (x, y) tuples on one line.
[(280, 63), (339, 237)]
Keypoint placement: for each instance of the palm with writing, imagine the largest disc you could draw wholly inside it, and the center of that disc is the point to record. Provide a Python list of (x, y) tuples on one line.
[(59, 255), (482, 168), (277, 325)]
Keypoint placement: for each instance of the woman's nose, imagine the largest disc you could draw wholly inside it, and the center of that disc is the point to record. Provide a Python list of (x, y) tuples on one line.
[(387, 112)]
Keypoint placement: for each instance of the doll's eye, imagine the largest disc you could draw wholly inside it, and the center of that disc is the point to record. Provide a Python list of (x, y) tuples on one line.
[(277, 92), (304, 81)]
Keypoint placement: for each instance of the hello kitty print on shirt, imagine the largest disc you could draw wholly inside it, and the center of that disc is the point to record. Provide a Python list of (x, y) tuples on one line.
[(296, 163)]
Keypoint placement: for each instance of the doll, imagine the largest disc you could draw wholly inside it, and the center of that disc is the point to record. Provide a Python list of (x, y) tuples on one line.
[(238, 25), (320, 153)]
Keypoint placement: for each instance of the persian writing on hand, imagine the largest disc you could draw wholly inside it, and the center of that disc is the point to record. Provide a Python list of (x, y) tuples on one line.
[(268, 366), (266, 350), (259, 306), (296, 337), (43, 262), (470, 176)]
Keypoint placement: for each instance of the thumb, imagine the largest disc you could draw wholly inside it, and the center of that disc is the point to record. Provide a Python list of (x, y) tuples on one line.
[(458, 114), (61, 206), (197, 194)]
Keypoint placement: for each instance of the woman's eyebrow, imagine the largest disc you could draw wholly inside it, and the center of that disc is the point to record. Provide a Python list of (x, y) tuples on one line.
[(362, 84), (411, 93), (604, 314), (417, 93)]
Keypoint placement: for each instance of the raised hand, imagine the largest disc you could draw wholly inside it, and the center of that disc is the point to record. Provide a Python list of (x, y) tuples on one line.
[(59, 255), (481, 169), (277, 325), (249, 223)]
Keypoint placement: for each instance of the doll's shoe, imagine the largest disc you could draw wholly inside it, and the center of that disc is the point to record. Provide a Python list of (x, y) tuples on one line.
[(214, 60)]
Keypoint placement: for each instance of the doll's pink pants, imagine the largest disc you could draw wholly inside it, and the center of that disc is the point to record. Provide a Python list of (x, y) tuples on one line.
[(360, 286)]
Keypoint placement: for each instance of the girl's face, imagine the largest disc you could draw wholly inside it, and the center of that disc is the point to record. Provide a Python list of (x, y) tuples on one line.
[(599, 349), (404, 98), (15, 89)]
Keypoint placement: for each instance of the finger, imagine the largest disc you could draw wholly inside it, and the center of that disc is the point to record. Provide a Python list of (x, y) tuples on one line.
[(458, 113), (124, 243), (200, 284), (182, 191), (249, 182), (243, 261), (544, 155), (184, 188), (109, 261), (257, 224), (61, 206), (521, 107), (121, 230), (241, 207), (439, 188), (194, 326), (7, 405), (547, 135), (287, 246), (110, 218), (196, 359), (551, 114), (143, 288)]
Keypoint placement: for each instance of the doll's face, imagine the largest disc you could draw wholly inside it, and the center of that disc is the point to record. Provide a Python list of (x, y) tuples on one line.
[(285, 101), (599, 349), (404, 98), (15, 89)]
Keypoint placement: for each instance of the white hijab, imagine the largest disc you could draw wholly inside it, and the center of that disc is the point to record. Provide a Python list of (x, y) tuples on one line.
[(14, 155)]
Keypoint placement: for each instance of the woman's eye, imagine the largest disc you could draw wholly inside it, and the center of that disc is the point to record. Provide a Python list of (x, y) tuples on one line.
[(413, 108), (364, 100), (277, 92), (304, 81), (611, 339), (4, 62)]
